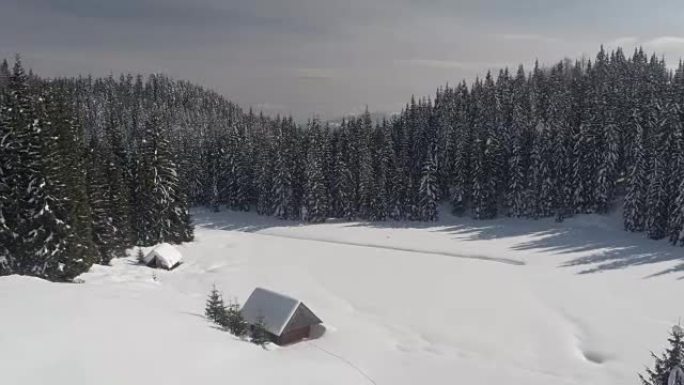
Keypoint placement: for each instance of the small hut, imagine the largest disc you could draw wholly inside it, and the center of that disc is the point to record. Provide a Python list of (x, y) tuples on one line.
[(163, 256), (286, 319)]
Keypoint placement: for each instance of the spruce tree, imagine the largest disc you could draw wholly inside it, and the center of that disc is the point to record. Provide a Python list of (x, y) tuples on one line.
[(657, 194), (104, 189), (34, 204), (264, 176), (235, 323), (163, 215), (282, 181), (461, 173), (634, 211), (381, 158), (672, 357), (429, 190), (259, 334), (543, 177), (343, 185), (215, 309), (68, 178), (518, 166), (315, 192), (608, 168)]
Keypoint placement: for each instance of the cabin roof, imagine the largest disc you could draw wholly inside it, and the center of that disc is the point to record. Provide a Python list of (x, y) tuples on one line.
[(167, 255), (277, 311)]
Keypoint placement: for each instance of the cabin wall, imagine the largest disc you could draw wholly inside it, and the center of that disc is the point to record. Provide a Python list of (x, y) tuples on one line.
[(293, 335)]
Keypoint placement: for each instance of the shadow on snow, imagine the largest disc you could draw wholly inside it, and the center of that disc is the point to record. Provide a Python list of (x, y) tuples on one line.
[(609, 246)]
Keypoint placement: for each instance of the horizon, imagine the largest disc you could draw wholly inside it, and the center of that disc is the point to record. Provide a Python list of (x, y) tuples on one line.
[(318, 58)]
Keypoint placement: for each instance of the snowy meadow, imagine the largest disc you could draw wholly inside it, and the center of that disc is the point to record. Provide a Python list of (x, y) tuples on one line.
[(499, 301)]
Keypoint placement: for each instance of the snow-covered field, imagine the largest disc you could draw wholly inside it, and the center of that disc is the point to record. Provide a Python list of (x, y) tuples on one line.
[(458, 302)]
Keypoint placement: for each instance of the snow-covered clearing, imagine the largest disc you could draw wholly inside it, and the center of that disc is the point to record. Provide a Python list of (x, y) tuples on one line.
[(460, 301)]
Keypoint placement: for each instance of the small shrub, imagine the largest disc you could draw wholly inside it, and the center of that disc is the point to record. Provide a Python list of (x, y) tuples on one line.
[(215, 309), (140, 256), (259, 335), (234, 321)]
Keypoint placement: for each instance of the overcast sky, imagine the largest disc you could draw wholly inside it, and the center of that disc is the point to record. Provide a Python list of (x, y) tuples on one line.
[(329, 57)]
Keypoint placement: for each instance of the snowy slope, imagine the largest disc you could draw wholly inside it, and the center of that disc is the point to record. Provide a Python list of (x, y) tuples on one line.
[(460, 301)]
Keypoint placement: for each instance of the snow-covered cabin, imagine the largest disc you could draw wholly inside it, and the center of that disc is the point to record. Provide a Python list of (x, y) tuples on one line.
[(286, 319), (163, 256)]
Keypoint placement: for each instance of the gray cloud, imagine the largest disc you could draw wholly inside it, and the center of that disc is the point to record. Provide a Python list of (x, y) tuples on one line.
[(324, 56)]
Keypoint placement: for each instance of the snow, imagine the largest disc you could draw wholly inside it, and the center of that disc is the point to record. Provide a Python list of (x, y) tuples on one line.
[(404, 303), (275, 308), (166, 256)]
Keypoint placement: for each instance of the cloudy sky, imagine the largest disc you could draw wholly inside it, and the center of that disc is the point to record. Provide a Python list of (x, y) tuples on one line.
[(329, 57)]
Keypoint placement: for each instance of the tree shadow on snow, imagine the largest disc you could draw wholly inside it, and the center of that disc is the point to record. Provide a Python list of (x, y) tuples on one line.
[(609, 247), (602, 237)]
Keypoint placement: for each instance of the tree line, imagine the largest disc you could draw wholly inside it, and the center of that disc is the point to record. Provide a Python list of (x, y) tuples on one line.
[(67, 200), (588, 136), (91, 166)]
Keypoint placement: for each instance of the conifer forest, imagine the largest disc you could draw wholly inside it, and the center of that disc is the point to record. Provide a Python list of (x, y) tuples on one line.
[(92, 166)]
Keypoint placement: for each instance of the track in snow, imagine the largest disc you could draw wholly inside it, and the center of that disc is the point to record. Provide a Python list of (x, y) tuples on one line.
[(508, 261)]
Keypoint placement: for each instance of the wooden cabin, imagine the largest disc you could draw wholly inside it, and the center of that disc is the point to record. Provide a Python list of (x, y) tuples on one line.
[(164, 256), (286, 319)]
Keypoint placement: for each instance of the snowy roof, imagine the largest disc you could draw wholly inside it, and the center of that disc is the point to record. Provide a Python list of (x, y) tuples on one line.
[(166, 255), (276, 309)]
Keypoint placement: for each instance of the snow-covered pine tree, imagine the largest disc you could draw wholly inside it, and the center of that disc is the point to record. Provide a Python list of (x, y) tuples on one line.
[(282, 181), (119, 181), (163, 215), (461, 173), (429, 189), (108, 239), (235, 323), (228, 168), (8, 160), (487, 168), (675, 178), (672, 357), (264, 164), (602, 119), (608, 169), (519, 159), (212, 172), (215, 309), (361, 163), (298, 151), (242, 174), (542, 173), (258, 333), (68, 178), (584, 169), (108, 195), (443, 115), (315, 192), (676, 175), (39, 240), (676, 225), (381, 151), (562, 144), (5, 74), (562, 150), (657, 197), (343, 184), (503, 131), (480, 172), (518, 168), (397, 178), (634, 211)]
